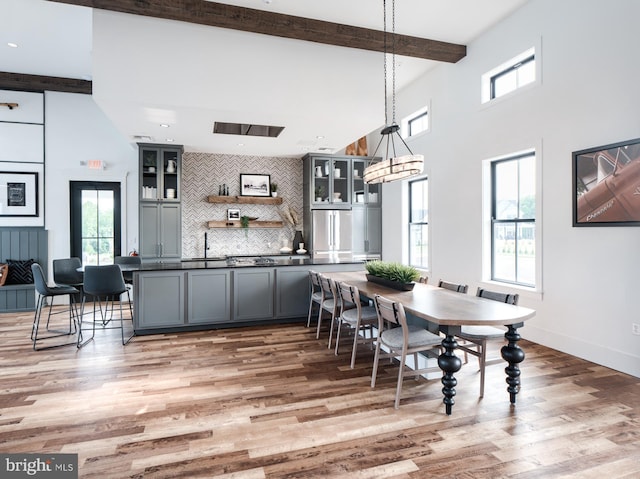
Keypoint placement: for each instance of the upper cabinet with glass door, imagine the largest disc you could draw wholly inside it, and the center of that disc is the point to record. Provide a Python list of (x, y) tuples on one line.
[(330, 181), (160, 172), (362, 193)]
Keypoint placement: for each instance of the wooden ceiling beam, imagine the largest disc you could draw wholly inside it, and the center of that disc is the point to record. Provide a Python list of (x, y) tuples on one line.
[(40, 83), (276, 24)]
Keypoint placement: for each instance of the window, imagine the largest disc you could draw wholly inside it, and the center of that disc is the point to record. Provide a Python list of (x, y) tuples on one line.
[(510, 76), (513, 220), (95, 221), (419, 223), (416, 123)]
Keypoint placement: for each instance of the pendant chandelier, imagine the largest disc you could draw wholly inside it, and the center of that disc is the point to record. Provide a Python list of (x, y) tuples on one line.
[(392, 167)]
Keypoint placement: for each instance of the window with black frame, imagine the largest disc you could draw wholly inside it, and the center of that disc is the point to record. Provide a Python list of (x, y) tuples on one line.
[(513, 77), (513, 220), (419, 223)]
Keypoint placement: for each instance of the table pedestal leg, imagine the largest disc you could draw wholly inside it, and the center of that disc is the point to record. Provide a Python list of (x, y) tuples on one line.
[(449, 363), (514, 355)]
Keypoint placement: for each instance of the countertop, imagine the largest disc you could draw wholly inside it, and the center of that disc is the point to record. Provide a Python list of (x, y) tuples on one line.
[(255, 261)]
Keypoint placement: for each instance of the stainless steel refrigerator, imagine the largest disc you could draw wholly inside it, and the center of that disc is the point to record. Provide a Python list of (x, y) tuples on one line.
[(331, 234)]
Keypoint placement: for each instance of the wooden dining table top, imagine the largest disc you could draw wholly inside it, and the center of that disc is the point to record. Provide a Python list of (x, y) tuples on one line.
[(441, 306)]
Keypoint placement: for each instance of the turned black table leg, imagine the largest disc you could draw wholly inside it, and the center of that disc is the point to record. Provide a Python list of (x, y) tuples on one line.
[(450, 364), (514, 355)]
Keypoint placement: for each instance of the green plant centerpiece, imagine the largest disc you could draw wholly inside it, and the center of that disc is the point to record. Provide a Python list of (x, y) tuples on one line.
[(393, 275), (274, 189)]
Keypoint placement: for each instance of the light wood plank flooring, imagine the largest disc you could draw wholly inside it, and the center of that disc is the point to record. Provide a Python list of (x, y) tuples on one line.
[(274, 402)]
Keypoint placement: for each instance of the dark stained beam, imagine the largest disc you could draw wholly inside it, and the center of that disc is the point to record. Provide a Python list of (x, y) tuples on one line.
[(39, 83), (279, 25)]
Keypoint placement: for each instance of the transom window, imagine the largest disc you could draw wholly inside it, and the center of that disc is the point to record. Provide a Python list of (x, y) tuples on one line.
[(513, 220), (513, 77), (419, 223), (416, 123)]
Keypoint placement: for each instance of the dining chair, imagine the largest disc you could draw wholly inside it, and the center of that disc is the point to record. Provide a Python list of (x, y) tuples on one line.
[(401, 339), (315, 296), (106, 283), (423, 279), (329, 304), (476, 337), (44, 292), (66, 273), (127, 260), (359, 318), (458, 288)]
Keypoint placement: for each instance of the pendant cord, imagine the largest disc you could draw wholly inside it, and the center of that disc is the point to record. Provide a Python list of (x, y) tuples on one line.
[(393, 60), (386, 108)]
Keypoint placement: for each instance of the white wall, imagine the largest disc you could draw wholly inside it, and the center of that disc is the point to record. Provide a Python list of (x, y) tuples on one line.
[(76, 131), (588, 97)]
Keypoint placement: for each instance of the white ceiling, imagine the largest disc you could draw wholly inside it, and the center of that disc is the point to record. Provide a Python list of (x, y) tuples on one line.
[(148, 71)]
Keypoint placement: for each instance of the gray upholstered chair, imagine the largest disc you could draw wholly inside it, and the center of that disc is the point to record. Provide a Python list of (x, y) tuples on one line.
[(127, 260), (66, 273), (44, 292), (401, 339), (458, 288), (315, 297), (361, 319), (106, 284), (328, 304), (475, 338)]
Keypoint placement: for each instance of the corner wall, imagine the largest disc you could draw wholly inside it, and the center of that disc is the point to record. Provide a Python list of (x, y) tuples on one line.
[(588, 97)]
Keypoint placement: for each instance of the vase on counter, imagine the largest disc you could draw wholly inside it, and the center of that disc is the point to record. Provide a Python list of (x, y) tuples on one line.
[(297, 239)]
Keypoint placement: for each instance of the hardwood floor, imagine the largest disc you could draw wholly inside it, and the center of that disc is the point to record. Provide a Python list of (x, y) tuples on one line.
[(274, 402)]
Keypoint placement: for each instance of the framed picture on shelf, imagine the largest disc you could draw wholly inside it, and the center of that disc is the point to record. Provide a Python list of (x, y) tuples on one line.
[(233, 214), (255, 185), (18, 193), (606, 185)]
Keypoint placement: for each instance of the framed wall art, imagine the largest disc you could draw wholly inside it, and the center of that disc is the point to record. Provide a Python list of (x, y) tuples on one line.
[(255, 185), (606, 185), (18, 193)]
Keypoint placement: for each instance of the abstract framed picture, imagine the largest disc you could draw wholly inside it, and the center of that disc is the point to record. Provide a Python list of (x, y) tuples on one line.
[(255, 185), (606, 185), (19, 193)]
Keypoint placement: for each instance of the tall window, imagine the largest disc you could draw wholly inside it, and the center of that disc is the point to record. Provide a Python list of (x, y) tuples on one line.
[(95, 221), (513, 220), (419, 223)]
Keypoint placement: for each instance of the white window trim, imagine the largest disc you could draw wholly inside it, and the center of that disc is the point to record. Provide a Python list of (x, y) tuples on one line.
[(404, 123), (485, 83), (533, 292), (427, 268)]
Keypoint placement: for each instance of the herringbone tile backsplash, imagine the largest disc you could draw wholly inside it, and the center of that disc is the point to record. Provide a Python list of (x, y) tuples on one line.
[(202, 173)]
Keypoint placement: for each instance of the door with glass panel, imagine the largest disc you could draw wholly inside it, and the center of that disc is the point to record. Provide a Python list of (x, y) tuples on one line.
[(95, 221)]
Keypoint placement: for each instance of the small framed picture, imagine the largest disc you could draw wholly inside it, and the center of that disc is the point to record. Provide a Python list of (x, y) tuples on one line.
[(233, 214), (255, 185)]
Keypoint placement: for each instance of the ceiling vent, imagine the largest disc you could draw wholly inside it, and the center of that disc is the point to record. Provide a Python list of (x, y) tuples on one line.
[(245, 129)]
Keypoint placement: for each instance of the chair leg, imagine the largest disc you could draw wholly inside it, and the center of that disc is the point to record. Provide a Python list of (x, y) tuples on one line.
[(126, 341), (339, 324), (376, 358), (403, 358), (36, 324), (354, 350), (482, 359), (320, 311)]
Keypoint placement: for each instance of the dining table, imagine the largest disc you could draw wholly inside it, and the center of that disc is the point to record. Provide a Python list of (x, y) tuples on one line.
[(450, 311)]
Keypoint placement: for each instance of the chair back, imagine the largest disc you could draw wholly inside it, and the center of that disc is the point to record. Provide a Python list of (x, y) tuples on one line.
[(390, 312), (458, 288), (314, 281), (104, 280), (501, 297), (39, 280), (134, 260), (423, 279), (65, 271), (349, 297), (328, 286)]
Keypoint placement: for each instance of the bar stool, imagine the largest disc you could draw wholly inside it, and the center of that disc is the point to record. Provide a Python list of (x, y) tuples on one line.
[(66, 273), (45, 291), (105, 283), (316, 293)]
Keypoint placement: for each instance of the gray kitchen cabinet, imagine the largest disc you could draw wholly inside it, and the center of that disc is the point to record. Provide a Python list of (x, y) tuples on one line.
[(160, 231), (209, 296), (253, 294), (292, 292), (159, 199), (366, 231), (327, 181), (159, 299)]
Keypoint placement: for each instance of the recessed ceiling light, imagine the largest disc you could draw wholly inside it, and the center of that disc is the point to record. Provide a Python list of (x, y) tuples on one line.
[(170, 140), (12, 45), (164, 125), (240, 144), (319, 137)]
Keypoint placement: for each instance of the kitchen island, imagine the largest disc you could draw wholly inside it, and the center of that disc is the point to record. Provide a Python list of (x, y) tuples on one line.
[(214, 293)]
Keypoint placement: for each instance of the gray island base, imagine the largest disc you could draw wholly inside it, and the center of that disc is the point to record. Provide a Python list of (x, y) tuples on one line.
[(195, 295)]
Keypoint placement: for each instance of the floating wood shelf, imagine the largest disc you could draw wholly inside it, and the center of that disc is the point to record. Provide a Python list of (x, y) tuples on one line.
[(246, 200), (252, 224)]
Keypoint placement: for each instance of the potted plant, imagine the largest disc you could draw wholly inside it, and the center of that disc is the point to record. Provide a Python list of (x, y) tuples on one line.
[(319, 190), (393, 275), (274, 189), (244, 222)]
